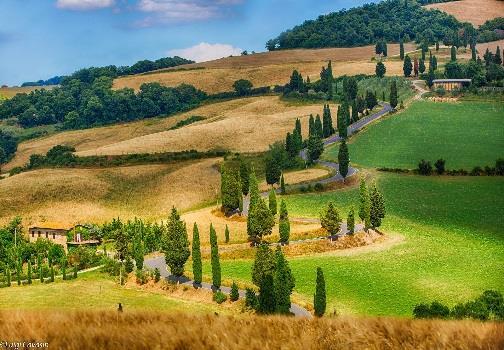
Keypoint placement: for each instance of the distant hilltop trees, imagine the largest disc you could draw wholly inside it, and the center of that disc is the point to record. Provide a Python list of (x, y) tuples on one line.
[(389, 20)]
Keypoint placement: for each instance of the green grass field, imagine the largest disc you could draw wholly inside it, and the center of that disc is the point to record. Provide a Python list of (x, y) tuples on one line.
[(93, 290), (465, 134), (452, 250)]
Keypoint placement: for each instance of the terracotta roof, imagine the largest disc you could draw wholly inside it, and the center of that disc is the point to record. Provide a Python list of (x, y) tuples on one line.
[(52, 226)]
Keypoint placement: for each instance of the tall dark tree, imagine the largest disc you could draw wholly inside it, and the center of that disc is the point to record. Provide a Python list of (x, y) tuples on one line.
[(226, 234), (283, 283), (318, 127), (498, 57), (175, 244), (311, 126), (343, 159), (267, 302), (260, 221), (328, 128), (273, 170), (421, 66), (343, 116), (371, 100), (330, 220), (282, 184), (364, 204), (380, 69), (393, 95), (315, 148), (296, 82), (401, 49), (453, 54), (283, 223), (264, 264), (196, 256), (355, 112), (407, 66), (244, 176), (272, 202), (214, 252), (231, 189), (351, 221), (319, 299), (377, 210)]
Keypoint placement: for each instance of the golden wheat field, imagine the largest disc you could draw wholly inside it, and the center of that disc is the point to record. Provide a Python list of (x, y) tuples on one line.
[(157, 330), (473, 11), (250, 127), (71, 196), (9, 92)]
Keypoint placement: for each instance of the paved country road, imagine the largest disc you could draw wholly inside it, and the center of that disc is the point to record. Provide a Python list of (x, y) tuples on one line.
[(159, 262)]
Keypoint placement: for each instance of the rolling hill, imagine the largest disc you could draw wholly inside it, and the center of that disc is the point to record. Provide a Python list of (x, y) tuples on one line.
[(476, 12)]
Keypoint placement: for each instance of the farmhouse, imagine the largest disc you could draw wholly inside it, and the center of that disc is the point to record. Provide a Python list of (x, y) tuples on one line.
[(60, 234), (451, 84)]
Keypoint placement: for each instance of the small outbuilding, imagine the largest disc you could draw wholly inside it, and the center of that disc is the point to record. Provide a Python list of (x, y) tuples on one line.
[(451, 84)]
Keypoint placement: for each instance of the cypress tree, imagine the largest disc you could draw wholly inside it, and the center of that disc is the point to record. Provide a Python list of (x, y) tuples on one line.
[(351, 221), (343, 159), (311, 126), (234, 295), (319, 299), (453, 54), (244, 176), (437, 45), (282, 184), (41, 273), (393, 95), (231, 189), (283, 224), (260, 221), (175, 244), (497, 57), (473, 52), (52, 273), (407, 66), (226, 234), (364, 204), (196, 256), (355, 113), (342, 120), (216, 268), (75, 271), (267, 302), (264, 264), (29, 272), (377, 210), (8, 276), (139, 251), (253, 189), (401, 49), (421, 66), (298, 127), (318, 127), (283, 283), (18, 273), (315, 148), (330, 220), (272, 202), (63, 269), (328, 128), (434, 62), (272, 170), (380, 69)]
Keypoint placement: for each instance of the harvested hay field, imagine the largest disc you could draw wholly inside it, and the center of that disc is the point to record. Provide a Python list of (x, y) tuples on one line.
[(90, 139), (299, 176), (158, 330), (250, 127), (238, 227), (473, 11), (9, 92), (71, 196), (266, 69)]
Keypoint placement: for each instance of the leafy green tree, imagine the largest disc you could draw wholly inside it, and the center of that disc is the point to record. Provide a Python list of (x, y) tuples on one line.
[(284, 224), (407, 66), (267, 302), (283, 283), (330, 220), (196, 256), (254, 189), (129, 265), (380, 69), (364, 204), (453, 54), (282, 184), (377, 211), (264, 264), (260, 221), (497, 56), (371, 100), (175, 244), (242, 87), (231, 189), (214, 249), (319, 299), (351, 221), (315, 148), (244, 176), (275, 160), (272, 201), (393, 95), (343, 159), (226, 234), (273, 171), (234, 295)]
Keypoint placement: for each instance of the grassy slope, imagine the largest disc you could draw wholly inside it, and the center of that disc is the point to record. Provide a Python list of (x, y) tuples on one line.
[(453, 246), (465, 134), (93, 290), (473, 11)]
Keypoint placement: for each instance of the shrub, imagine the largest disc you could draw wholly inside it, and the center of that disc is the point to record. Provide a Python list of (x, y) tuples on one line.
[(219, 297), (234, 295), (251, 299), (129, 266), (157, 275), (440, 166), (499, 166), (319, 187), (141, 277), (476, 171), (435, 310), (424, 167)]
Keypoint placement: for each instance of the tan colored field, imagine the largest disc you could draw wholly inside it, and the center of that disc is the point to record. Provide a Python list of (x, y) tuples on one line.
[(267, 69), (295, 177), (10, 92), (90, 139), (473, 11), (250, 127), (158, 330), (71, 196)]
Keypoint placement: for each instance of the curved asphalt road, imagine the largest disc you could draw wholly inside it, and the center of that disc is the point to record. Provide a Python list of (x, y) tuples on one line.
[(160, 263)]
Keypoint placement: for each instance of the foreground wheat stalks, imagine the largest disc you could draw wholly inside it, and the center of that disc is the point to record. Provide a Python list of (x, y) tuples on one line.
[(155, 330)]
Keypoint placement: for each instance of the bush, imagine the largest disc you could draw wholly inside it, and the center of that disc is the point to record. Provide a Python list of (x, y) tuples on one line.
[(424, 167), (234, 295), (129, 266), (499, 166), (476, 171), (157, 275), (440, 166), (435, 310), (219, 297), (251, 301), (142, 277), (319, 187)]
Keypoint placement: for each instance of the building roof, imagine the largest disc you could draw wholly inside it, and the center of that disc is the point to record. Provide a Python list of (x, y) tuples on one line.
[(452, 81)]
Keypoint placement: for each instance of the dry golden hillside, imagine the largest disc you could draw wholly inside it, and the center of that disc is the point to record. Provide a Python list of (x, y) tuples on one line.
[(8, 92), (71, 196), (250, 127), (157, 330), (473, 11), (267, 69)]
